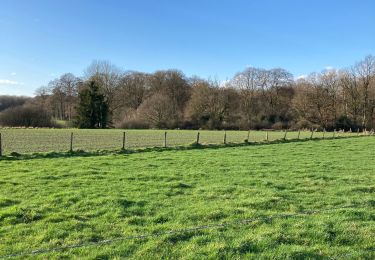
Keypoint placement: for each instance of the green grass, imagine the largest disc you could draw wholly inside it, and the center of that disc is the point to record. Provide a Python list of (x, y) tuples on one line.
[(58, 140), (55, 202)]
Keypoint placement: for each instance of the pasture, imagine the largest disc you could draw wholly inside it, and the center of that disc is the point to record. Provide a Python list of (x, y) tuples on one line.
[(58, 140), (312, 199)]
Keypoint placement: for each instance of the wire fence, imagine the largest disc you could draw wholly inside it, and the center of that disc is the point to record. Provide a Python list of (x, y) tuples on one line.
[(237, 222), (23, 141)]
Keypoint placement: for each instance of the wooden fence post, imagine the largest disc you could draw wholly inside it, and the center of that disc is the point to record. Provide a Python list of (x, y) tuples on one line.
[(358, 132), (123, 140), (299, 133), (312, 133), (1, 146), (267, 136), (225, 137), (324, 133), (165, 139), (71, 142), (334, 133), (198, 137), (286, 131), (248, 136)]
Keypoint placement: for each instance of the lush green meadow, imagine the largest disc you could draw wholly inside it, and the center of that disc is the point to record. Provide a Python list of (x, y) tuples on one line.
[(330, 184), (58, 140)]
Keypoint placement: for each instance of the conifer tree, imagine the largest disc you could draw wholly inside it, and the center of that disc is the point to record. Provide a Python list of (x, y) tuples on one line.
[(92, 110)]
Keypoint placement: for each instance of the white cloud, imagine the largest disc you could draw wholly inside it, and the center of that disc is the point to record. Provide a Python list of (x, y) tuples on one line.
[(329, 68), (9, 82), (13, 74), (302, 77), (224, 83)]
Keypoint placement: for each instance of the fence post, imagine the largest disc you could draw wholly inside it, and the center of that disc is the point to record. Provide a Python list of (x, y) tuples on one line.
[(248, 136), (225, 137), (1, 146), (123, 140), (334, 133), (358, 132), (71, 142), (198, 137), (312, 133), (324, 133), (286, 131), (267, 136), (299, 133), (165, 139)]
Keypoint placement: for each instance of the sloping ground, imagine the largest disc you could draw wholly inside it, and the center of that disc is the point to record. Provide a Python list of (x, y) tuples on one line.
[(310, 199)]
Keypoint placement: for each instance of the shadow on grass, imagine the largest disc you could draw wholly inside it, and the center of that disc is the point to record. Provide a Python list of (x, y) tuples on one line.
[(194, 146)]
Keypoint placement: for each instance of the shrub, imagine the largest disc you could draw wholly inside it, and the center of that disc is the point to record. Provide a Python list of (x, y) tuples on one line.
[(133, 124), (264, 124), (12, 101), (26, 116), (343, 122), (158, 112), (279, 126), (304, 124)]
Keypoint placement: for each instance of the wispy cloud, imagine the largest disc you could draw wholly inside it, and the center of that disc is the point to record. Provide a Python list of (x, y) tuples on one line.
[(9, 82), (13, 74), (302, 77), (329, 68)]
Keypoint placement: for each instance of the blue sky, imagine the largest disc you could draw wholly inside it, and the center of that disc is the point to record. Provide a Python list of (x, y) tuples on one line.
[(39, 40)]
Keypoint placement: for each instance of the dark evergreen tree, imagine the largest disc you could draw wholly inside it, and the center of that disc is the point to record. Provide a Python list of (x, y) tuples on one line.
[(92, 110)]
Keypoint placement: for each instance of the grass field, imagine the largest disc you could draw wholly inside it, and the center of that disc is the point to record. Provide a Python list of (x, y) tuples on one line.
[(58, 140), (329, 185)]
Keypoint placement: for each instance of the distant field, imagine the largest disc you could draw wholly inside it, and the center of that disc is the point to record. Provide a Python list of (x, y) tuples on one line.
[(320, 195), (58, 140)]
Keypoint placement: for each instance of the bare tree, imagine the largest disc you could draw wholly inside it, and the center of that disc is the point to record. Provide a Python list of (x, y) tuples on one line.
[(69, 84), (157, 111), (276, 80), (253, 98), (248, 82), (211, 105), (64, 92), (330, 82), (108, 77), (365, 71), (264, 94), (175, 85), (131, 93), (351, 95)]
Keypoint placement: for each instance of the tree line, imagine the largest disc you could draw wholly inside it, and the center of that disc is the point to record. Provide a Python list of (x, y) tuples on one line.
[(254, 98)]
